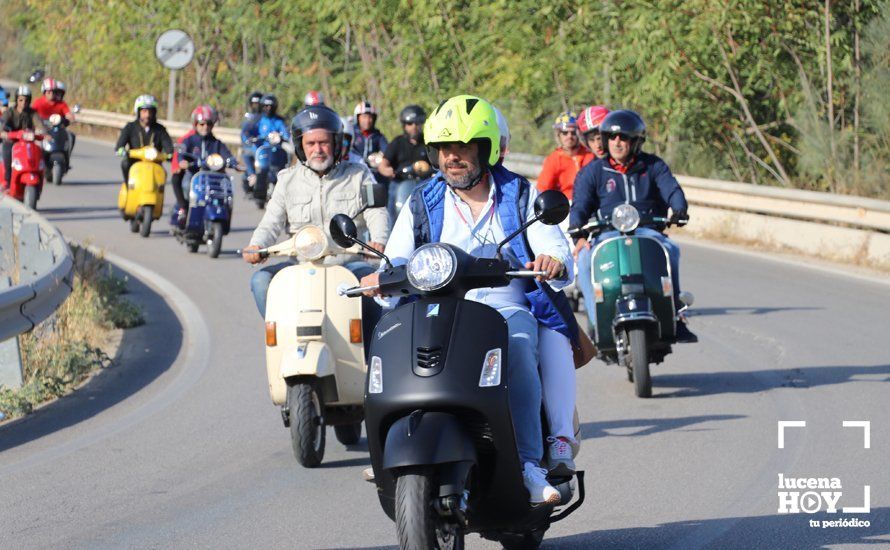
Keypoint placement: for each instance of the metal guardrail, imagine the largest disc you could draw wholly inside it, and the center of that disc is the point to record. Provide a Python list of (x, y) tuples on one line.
[(36, 273)]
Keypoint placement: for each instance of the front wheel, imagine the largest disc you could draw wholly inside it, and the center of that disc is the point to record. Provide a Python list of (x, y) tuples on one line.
[(348, 434), (639, 361), (307, 429), (526, 541), (57, 173), (31, 197), (260, 189), (215, 244), (419, 526), (145, 229)]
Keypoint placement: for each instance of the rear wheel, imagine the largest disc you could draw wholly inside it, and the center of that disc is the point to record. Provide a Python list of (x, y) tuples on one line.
[(57, 173), (307, 429), (134, 225), (526, 541), (215, 244), (419, 526), (260, 189), (349, 434), (639, 361), (145, 228), (31, 197)]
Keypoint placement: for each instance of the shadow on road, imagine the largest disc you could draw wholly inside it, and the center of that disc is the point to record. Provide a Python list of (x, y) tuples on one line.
[(144, 354), (753, 310), (713, 383), (791, 532), (77, 209), (646, 426)]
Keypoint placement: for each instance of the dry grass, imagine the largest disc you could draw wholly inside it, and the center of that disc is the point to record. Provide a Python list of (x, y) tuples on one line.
[(64, 350)]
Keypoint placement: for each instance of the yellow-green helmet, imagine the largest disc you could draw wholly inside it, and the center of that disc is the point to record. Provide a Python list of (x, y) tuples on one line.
[(465, 118)]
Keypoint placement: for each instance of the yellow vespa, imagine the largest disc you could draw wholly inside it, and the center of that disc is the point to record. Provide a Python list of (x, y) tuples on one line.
[(141, 198)]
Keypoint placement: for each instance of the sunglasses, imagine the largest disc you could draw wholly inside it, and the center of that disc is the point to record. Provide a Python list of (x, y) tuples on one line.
[(566, 132), (412, 124), (621, 137), (203, 124)]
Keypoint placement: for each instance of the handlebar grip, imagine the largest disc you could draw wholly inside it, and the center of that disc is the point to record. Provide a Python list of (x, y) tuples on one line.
[(356, 291), (524, 273)]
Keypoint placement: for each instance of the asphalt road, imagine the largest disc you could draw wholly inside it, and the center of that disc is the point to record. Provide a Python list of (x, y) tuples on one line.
[(179, 446)]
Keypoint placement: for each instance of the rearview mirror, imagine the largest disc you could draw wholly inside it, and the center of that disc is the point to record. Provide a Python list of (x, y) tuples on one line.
[(343, 230), (376, 195), (76, 108), (551, 207)]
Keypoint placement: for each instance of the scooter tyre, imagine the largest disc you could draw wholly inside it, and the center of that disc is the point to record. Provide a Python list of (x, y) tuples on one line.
[(639, 361), (526, 541), (134, 225), (419, 526), (145, 227), (307, 429), (215, 244), (348, 434), (57, 173), (31, 197)]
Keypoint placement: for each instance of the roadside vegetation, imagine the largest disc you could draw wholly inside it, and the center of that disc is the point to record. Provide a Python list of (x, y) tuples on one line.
[(63, 351), (789, 93)]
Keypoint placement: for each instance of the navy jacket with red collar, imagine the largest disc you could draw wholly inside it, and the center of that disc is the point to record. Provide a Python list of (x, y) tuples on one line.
[(648, 185)]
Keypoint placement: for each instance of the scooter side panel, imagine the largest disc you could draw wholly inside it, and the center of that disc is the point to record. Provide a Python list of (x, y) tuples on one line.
[(655, 264), (483, 412), (606, 266), (349, 358), (142, 188)]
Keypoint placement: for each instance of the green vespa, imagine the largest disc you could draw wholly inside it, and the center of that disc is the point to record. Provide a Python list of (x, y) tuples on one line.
[(635, 322)]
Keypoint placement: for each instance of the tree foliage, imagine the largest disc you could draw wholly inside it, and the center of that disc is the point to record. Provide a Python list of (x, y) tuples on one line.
[(782, 92)]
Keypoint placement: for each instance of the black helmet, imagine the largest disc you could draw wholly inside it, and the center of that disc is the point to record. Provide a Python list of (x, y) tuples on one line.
[(316, 117), (270, 100), (625, 122), (254, 97), (413, 113)]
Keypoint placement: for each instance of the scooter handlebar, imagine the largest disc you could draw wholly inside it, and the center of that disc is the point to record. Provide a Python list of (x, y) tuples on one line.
[(356, 290), (524, 273)]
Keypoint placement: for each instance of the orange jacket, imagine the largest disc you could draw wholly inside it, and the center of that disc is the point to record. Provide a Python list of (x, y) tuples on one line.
[(560, 169)]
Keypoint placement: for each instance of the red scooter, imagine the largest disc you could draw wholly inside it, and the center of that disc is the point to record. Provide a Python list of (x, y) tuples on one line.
[(26, 182)]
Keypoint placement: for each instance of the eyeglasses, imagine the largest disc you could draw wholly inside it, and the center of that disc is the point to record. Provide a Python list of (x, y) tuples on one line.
[(621, 137), (203, 124)]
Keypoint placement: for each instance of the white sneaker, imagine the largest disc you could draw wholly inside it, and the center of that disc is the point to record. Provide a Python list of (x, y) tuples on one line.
[(368, 474), (560, 457), (539, 491)]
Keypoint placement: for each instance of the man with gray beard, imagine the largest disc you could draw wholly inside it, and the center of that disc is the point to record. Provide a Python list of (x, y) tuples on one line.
[(312, 191)]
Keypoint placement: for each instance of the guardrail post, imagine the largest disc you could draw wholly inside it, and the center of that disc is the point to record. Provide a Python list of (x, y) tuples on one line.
[(10, 356), (7, 243), (34, 260)]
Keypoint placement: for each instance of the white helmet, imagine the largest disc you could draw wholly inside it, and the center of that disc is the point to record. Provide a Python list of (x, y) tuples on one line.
[(504, 130), (348, 127), (145, 101), (364, 107)]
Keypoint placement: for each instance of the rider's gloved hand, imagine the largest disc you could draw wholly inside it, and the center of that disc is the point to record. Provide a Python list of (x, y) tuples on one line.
[(677, 217), (121, 152)]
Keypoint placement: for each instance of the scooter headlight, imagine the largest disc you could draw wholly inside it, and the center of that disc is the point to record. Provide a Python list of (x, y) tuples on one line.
[(215, 162), (310, 242), (17, 164), (274, 138), (625, 218), (431, 267), (150, 153), (375, 375), (491, 369), (55, 119)]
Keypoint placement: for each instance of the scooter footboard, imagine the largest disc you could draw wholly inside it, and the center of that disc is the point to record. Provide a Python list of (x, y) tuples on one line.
[(426, 439)]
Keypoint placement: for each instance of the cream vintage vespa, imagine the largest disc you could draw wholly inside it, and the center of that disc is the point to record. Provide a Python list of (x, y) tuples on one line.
[(315, 359)]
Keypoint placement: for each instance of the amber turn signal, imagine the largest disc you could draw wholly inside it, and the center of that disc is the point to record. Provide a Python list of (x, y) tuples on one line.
[(271, 334), (355, 331)]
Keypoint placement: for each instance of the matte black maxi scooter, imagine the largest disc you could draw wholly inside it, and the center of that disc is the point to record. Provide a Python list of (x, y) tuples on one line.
[(437, 415)]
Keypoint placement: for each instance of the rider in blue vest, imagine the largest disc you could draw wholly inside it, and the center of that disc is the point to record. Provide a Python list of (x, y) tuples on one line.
[(474, 203)]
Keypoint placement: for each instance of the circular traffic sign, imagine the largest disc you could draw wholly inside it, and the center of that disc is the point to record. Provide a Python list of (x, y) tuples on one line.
[(175, 49)]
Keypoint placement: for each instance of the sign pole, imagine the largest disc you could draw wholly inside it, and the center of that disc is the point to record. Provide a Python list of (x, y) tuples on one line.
[(171, 94)]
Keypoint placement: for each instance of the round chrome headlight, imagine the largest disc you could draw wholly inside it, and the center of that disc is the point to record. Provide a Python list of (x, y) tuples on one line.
[(310, 242), (215, 162), (625, 218), (55, 119), (431, 267), (274, 138), (150, 153)]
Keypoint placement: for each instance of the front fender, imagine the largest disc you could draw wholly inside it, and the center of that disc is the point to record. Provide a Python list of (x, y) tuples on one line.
[(310, 358), (424, 438), (630, 310)]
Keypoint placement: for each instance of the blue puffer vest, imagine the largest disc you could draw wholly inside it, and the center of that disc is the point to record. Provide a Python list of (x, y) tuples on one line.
[(550, 307)]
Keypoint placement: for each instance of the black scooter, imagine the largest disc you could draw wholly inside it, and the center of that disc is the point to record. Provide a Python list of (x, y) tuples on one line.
[(440, 432)]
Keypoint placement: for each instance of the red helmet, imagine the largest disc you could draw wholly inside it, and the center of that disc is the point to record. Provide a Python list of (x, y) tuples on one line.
[(313, 97), (204, 113), (591, 118), (48, 84)]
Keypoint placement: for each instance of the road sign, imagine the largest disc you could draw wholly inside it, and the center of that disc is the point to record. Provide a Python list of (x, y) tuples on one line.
[(175, 49)]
